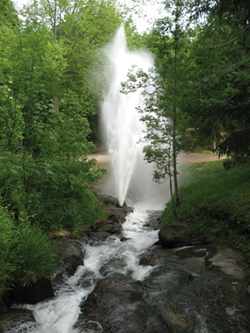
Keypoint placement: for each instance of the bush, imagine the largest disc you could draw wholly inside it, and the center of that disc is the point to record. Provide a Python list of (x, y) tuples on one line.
[(35, 255), (26, 255), (8, 241), (55, 193), (63, 200)]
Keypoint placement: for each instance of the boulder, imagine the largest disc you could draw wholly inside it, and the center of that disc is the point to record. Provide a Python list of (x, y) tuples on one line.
[(118, 305), (71, 254), (197, 289), (179, 234), (34, 292), (154, 220), (17, 321)]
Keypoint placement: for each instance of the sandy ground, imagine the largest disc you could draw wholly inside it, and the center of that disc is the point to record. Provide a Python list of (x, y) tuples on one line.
[(103, 160), (192, 158), (184, 159)]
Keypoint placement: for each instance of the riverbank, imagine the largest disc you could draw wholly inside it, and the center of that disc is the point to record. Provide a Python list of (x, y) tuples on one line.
[(215, 203), (184, 289)]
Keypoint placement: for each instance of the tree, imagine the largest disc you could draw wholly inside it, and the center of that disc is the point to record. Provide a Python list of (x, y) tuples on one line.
[(163, 93), (224, 73), (44, 146)]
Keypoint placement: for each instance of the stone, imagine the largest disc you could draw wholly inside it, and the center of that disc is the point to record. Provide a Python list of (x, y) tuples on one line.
[(34, 292), (71, 254), (118, 305), (178, 235), (175, 235), (17, 321)]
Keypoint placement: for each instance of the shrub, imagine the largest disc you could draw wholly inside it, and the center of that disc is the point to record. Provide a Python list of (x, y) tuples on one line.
[(52, 193), (8, 241), (35, 255), (26, 255)]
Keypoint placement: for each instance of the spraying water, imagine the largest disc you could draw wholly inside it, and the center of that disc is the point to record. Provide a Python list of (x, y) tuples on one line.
[(134, 181), (122, 126)]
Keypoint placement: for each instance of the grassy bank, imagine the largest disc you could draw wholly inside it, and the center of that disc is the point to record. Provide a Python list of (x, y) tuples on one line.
[(216, 202)]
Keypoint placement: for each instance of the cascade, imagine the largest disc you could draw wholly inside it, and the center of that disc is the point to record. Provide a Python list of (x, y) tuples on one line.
[(133, 178), (175, 278), (122, 126)]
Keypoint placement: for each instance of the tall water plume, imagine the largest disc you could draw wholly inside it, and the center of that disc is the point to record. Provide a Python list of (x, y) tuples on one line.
[(122, 125)]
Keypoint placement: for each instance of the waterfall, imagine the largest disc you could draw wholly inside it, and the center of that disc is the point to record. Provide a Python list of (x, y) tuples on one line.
[(133, 177), (122, 126)]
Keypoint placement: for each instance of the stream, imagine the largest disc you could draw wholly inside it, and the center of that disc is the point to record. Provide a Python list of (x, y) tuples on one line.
[(58, 315), (129, 283)]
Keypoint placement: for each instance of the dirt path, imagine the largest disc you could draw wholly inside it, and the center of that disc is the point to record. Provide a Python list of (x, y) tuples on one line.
[(192, 158), (103, 160), (184, 159)]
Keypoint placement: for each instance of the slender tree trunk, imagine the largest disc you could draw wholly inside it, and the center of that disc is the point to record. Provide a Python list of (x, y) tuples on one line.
[(214, 131), (56, 103), (174, 129), (54, 26)]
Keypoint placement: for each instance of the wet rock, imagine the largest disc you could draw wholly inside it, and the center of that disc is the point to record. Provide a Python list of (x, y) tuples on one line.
[(154, 220), (119, 306), (99, 236), (17, 321), (124, 239), (110, 226), (71, 254), (109, 200), (194, 295), (115, 212), (34, 292), (178, 235)]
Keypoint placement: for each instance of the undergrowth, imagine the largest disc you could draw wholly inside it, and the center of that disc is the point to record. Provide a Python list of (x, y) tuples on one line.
[(216, 203), (27, 254)]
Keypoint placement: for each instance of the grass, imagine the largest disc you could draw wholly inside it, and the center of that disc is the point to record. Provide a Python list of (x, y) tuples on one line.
[(216, 202)]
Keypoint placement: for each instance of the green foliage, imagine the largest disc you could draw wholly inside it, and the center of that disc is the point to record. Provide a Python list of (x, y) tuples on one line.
[(217, 204), (219, 85), (26, 255), (8, 241), (45, 99), (65, 201), (35, 255), (53, 193)]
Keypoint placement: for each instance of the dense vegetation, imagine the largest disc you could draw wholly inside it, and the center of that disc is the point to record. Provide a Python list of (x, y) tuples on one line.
[(51, 89), (215, 202), (200, 96), (26, 253)]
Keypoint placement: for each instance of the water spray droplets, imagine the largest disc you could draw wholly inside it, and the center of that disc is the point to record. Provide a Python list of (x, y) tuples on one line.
[(121, 120)]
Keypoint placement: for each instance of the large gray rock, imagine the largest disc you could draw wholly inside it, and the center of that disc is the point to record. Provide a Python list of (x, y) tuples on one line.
[(70, 253), (17, 321), (119, 306), (34, 292), (195, 289), (178, 235)]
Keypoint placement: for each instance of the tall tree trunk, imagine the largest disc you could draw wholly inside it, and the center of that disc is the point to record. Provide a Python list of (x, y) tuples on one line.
[(214, 131), (56, 103), (174, 127)]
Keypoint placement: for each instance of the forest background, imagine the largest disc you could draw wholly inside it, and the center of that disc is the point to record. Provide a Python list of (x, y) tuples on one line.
[(53, 74)]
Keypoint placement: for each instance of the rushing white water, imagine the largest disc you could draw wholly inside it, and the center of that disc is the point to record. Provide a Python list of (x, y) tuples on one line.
[(121, 122), (59, 314), (131, 173)]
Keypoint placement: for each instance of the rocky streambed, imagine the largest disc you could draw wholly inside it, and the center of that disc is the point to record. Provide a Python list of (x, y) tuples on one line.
[(184, 285)]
